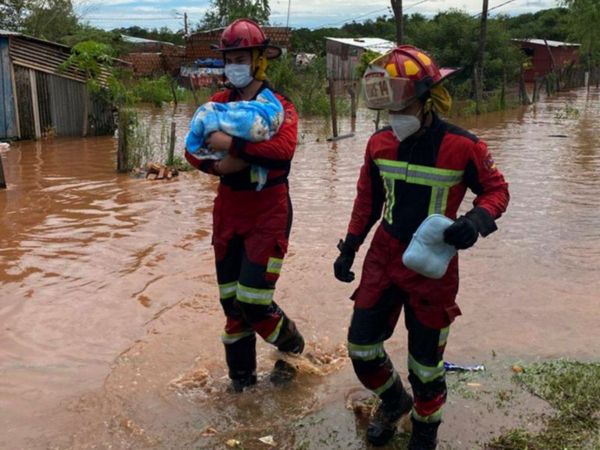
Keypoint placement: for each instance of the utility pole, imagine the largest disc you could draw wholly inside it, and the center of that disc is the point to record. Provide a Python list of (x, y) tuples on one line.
[(480, 57), (185, 23), (398, 14), (287, 23)]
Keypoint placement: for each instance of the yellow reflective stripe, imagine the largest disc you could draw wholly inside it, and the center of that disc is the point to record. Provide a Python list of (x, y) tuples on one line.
[(275, 334), (391, 163), (416, 174), (387, 384), (443, 336), (228, 290), (365, 352), (427, 179), (438, 200), (254, 296), (390, 199), (274, 265), (435, 417), (234, 337), (425, 373)]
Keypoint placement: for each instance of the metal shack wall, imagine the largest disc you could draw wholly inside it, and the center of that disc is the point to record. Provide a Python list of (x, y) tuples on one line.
[(8, 117)]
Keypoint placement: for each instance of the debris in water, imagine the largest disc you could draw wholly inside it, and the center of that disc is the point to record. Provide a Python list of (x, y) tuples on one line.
[(233, 443), (210, 431), (154, 171), (267, 440), (198, 379), (517, 369), (458, 368)]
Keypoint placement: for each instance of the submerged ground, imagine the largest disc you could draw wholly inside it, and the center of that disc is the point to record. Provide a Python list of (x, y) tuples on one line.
[(110, 323)]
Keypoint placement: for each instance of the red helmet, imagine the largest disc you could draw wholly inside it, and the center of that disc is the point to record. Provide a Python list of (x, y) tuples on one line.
[(244, 34), (396, 79)]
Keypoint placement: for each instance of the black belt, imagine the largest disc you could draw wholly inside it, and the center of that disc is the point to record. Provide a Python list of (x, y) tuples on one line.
[(237, 186)]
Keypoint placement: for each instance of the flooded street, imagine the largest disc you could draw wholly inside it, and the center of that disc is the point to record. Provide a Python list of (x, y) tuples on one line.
[(110, 321)]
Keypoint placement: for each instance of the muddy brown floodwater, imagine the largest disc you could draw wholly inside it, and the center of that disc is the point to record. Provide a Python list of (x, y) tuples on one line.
[(110, 322)]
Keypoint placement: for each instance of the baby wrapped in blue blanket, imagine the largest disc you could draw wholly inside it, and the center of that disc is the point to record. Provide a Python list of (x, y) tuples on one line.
[(254, 121)]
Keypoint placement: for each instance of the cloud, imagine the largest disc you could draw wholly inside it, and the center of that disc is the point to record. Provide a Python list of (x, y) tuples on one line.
[(303, 13)]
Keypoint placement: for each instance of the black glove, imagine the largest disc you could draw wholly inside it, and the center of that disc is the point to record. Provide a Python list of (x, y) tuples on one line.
[(464, 232), (343, 263)]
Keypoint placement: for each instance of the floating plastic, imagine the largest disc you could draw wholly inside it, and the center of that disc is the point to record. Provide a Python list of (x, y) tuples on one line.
[(460, 368)]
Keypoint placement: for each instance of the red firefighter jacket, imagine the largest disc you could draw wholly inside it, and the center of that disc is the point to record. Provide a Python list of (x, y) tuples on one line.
[(423, 175)]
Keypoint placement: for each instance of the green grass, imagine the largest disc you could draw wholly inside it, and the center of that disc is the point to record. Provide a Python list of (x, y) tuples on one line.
[(573, 390)]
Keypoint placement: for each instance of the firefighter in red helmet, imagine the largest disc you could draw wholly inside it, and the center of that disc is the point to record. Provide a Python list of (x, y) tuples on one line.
[(419, 166), (251, 227)]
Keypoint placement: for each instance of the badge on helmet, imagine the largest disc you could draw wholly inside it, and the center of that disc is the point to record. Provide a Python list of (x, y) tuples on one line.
[(396, 79)]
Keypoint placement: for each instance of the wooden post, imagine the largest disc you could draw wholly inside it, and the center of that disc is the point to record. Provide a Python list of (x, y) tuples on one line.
[(399, 20), (122, 147), (171, 157), (503, 91), (196, 101), (86, 101), (481, 57), (334, 125), (536, 90), (478, 96), (2, 179), (35, 103), (353, 105), (522, 89)]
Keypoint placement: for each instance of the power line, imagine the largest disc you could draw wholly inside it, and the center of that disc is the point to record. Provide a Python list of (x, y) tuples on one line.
[(496, 7), (104, 19), (387, 8)]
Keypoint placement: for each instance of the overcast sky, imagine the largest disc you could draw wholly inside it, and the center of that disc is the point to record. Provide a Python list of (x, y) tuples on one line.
[(303, 13)]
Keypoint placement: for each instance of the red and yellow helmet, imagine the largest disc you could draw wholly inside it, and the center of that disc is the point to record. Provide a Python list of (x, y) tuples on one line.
[(396, 79), (244, 34)]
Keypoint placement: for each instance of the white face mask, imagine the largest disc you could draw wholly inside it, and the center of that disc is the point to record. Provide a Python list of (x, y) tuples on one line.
[(404, 125), (238, 75)]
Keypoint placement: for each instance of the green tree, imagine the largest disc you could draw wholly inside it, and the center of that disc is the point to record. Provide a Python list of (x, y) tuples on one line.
[(96, 61), (12, 14), (584, 17), (50, 19), (223, 12)]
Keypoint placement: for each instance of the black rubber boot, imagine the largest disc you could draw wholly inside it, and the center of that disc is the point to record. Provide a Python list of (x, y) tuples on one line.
[(239, 384), (395, 403), (424, 435), (241, 360), (290, 341)]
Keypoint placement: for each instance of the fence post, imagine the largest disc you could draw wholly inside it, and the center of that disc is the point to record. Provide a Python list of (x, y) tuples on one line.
[(333, 108), (122, 146), (523, 89), (2, 179), (171, 157), (478, 88), (503, 91)]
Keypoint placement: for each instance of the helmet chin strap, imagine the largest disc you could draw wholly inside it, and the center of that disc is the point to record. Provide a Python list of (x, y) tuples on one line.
[(259, 64)]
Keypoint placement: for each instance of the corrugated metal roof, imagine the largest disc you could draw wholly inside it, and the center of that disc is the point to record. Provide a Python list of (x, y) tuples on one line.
[(139, 40), (9, 33), (550, 43), (373, 44), (31, 38)]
